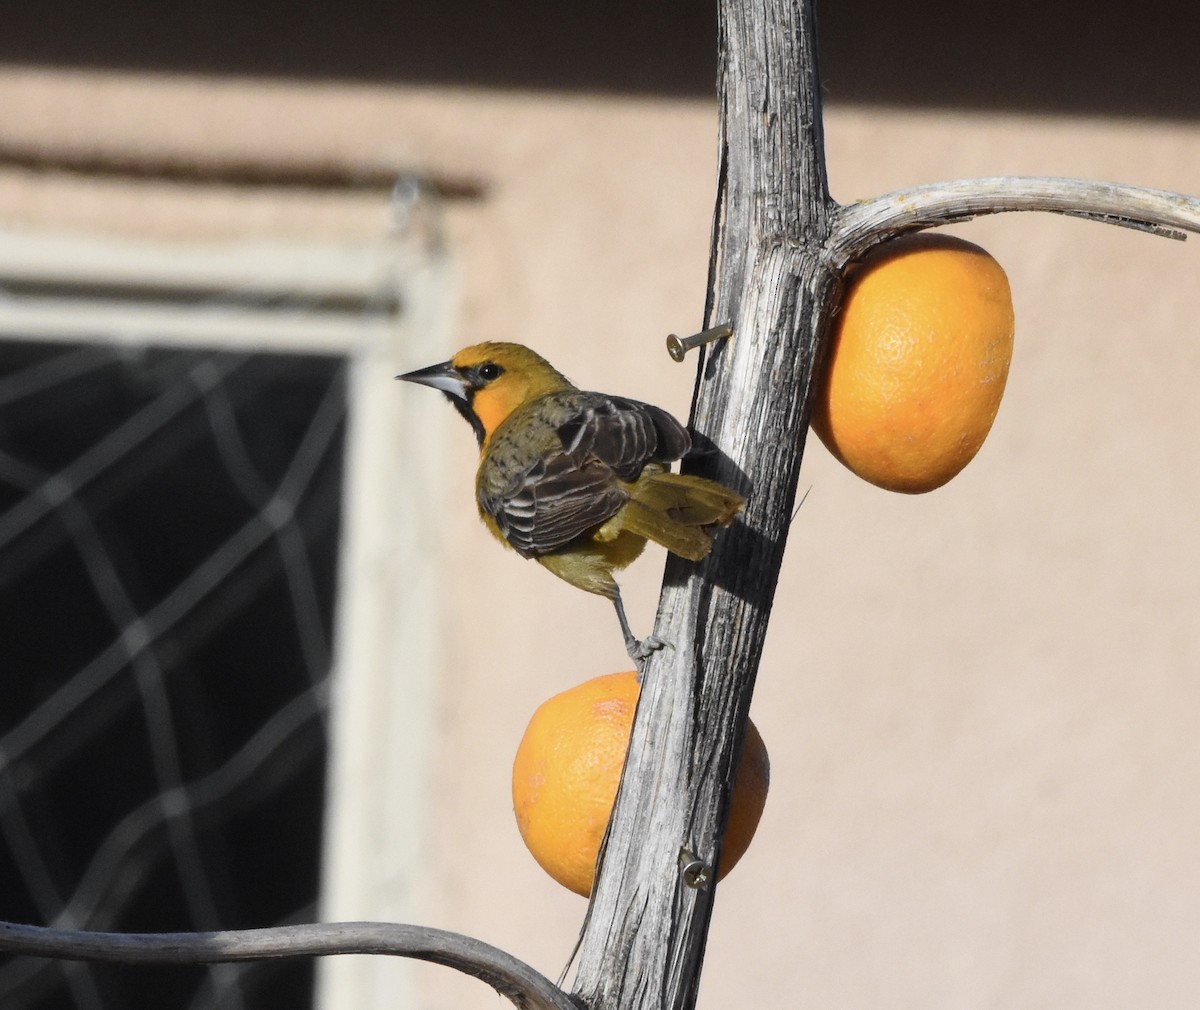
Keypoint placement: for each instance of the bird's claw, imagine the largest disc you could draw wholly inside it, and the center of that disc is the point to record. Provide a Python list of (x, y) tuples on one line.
[(639, 652)]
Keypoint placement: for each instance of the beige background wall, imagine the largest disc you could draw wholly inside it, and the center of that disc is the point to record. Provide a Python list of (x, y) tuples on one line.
[(981, 704)]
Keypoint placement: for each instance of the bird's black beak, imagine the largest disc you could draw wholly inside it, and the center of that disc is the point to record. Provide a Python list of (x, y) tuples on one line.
[(445, 377), (455, 385)]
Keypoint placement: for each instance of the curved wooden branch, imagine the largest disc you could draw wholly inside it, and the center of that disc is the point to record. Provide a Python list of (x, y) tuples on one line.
[(858, 226), (511, 978)]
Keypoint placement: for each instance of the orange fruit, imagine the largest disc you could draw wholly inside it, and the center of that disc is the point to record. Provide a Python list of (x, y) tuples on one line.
[(568, 766), (918, 362)]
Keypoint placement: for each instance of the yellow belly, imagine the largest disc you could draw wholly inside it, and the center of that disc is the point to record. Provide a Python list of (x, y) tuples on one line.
[(588, 563)]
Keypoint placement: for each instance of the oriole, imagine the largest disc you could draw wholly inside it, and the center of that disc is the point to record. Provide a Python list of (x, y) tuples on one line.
[(577, 481)]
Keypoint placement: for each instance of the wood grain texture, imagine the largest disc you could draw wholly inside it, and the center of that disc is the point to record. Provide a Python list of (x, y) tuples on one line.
[(644, 941), (858, 226)]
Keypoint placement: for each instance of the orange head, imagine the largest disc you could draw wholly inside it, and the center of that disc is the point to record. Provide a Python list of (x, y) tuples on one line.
[(487, 382)]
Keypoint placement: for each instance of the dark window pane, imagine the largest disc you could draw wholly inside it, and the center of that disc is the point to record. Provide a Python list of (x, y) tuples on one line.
[(168, 552)]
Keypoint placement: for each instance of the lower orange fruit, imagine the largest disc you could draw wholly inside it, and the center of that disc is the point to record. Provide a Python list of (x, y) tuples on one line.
[(568, 767)]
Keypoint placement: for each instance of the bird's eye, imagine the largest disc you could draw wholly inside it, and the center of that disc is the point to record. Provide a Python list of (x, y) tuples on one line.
[(489, 371)]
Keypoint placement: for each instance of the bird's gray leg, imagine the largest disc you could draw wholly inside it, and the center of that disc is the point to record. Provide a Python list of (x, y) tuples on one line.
[(639, 651)]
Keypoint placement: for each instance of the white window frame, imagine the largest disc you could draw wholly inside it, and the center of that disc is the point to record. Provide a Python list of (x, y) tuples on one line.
[(389, 580)]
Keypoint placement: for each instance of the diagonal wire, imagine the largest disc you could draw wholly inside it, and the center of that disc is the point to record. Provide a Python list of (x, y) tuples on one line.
[(290, 539), (251, 772), (100, 671), (35, 871), (51, 372), (149, 677), (174, 808), (159, 720), (124, 477), (199, 583), (40, 884), (138, 634), (137, 637), (107, 452), (121, 859)]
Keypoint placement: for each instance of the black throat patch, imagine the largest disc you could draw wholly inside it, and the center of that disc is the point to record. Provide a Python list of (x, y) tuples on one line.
[(464, 408)]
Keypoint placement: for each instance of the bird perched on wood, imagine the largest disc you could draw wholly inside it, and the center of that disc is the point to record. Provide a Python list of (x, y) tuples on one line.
[(577, 481)]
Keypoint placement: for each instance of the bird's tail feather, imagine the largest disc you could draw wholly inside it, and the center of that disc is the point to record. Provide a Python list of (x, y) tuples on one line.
[(679, 511)]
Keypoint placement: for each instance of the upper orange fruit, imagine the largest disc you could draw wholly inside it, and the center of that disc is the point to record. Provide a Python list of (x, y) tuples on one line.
[(918, 362), (568, 766)]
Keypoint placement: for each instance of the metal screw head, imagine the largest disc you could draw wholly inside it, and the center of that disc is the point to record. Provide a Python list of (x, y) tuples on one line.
[(696, 872), (675, 347)]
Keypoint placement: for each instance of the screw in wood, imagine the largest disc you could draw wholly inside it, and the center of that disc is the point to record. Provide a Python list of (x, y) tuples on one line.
[(678, 346), (696, 872)]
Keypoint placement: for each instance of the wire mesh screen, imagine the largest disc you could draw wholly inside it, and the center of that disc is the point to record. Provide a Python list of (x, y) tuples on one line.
[(168, 542)]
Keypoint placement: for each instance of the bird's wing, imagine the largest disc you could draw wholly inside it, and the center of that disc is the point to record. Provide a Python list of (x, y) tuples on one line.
[(573, 483), (623, 434), (554, 502)]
